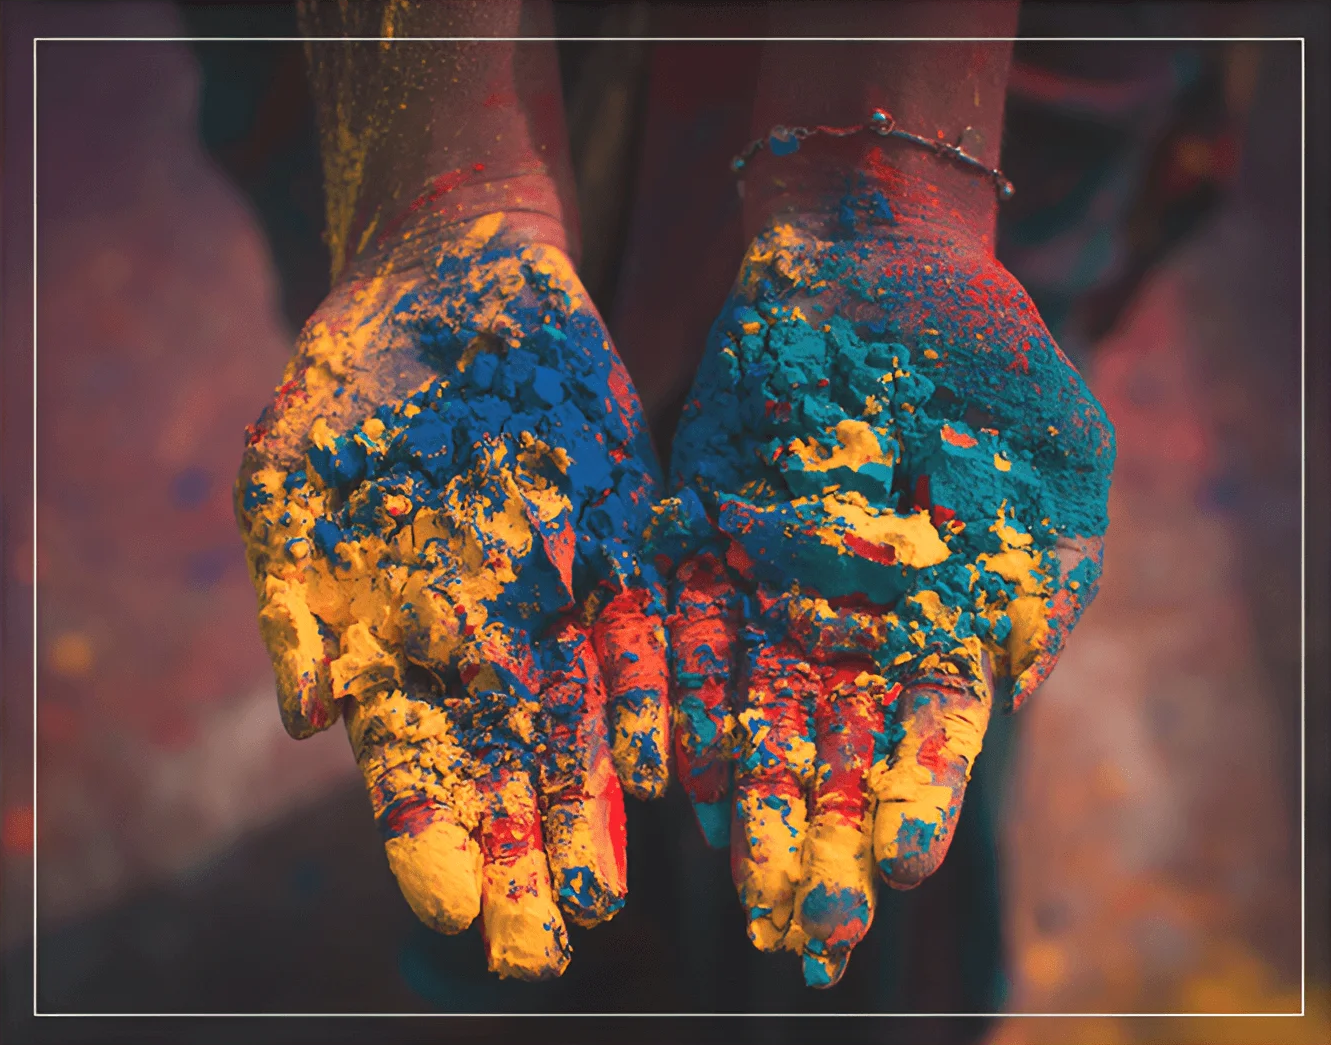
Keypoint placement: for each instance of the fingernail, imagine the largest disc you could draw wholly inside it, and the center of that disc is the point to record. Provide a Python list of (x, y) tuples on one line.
[(714, 822)]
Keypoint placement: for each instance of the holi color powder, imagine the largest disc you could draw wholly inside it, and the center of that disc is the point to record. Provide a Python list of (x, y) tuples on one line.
[(890, 490), (458, 572)]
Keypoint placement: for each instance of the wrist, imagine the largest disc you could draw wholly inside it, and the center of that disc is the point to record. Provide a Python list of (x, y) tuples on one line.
[(893, 187), (529, 202)]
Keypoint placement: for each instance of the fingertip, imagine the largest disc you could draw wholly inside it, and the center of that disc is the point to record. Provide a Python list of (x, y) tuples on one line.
[(305, 711), (824, 970), (765, 861), (438, 870), (585, 846), (525, 937), (296, 648), (908, 849), (714, 822), (586, 897), (640, 750), (764, 932)]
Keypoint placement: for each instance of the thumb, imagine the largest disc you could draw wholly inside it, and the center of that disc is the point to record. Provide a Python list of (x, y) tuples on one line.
[(1041, 624), (296, 645)]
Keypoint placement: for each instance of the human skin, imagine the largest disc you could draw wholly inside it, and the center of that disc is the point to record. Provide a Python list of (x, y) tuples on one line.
[(899, 485), (442, 505), (411, 198)]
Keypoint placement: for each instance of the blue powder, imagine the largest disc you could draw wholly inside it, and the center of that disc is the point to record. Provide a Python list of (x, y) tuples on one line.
[(974, 381)]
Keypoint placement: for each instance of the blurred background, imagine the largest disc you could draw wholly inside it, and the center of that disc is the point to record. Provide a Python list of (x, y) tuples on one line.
[(1143, 854)]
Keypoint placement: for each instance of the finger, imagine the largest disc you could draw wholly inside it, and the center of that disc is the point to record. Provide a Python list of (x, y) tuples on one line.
[(584, 816), (773, 774), (834, 902), (295, 642), (703, 634), (630, 645), (1039, 627), (524, 932), (425, 806), (921, 787)]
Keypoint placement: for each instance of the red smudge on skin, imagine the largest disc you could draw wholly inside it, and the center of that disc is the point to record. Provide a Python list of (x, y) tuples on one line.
[(780, 411), (844, 729), (440, 186), (618, 835), (961, 439), (930, 754), (938, 515), (884, 555), (501, 98), (560, 547), (507, 834), (623, 628), (621, 389), (409, 817), (315, 711)]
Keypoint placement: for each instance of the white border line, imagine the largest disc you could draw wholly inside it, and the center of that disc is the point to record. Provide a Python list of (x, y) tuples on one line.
[(1303, 486), (669, 39), (34, 527), (1303, 527)]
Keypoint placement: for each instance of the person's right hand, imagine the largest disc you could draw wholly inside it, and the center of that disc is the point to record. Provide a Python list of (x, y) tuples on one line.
[(891, 506), (441, 511)]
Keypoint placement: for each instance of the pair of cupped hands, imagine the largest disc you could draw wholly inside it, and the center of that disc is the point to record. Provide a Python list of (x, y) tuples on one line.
[(884, 515)]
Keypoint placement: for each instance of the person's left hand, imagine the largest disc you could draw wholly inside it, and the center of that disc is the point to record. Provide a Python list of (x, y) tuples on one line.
[(442, 512), (891, 500)]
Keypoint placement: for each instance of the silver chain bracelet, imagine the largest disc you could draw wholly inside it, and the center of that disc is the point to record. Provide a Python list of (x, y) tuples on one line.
[(782, 141)]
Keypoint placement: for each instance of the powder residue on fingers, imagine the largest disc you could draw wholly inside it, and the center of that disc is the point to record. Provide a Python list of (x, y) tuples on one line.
[(903, 476), (417, 551)]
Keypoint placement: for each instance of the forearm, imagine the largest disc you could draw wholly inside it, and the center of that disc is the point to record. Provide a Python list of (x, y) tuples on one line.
[(931, 88), (433, 132)]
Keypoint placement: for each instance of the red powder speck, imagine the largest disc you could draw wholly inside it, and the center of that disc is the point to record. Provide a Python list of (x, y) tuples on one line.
[(316, 713), (930, 755), (951, 435), (938, 515), (885, 556), (738, 559)]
